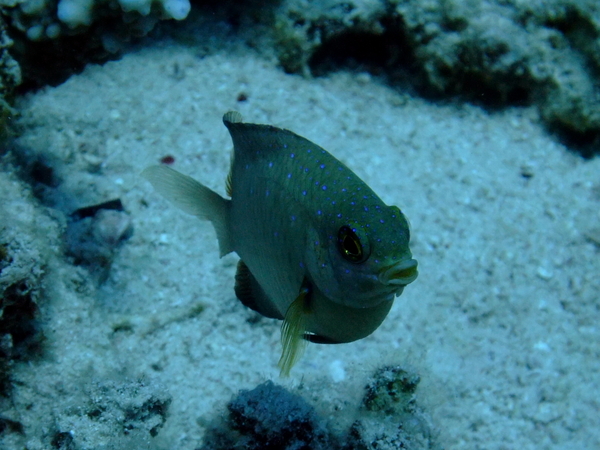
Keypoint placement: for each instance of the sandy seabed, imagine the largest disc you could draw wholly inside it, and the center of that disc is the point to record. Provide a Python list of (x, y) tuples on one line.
[(501, 325)]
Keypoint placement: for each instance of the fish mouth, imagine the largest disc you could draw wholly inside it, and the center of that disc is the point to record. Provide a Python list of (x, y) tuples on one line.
[(399, 274)]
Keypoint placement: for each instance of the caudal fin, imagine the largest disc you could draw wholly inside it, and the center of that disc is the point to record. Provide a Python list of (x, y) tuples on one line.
[(193, 198)]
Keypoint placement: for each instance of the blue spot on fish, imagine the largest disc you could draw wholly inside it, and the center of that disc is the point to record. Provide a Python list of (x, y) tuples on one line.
[(324, 187)]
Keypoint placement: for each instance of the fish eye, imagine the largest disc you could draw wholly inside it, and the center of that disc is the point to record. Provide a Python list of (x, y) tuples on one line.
[(351, 246)]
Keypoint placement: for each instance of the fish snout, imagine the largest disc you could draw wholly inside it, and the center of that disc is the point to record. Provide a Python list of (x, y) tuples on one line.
[(399, 274)]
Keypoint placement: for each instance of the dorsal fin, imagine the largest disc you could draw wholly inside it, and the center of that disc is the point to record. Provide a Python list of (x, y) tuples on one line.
[(232, 117), (228, 185)]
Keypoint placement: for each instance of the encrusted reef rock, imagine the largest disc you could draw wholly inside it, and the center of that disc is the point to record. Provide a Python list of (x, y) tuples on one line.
[(28, 239), (104, 414), (49, 19), (10, 78), (492, 52), (55, 38), (270, 417), (392, 418)]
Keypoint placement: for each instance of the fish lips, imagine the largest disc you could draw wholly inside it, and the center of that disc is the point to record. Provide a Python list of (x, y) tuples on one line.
[(399, 274)]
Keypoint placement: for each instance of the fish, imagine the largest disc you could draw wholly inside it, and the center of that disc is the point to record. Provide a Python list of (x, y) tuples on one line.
[(318, 248)]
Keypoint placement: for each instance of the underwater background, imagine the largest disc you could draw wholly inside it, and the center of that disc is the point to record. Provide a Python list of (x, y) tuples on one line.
[(119, 325)]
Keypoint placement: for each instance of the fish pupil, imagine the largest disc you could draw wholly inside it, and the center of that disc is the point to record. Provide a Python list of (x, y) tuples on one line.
[(349, 245)]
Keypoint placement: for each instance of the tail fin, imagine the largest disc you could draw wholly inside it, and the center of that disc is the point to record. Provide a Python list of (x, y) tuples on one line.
[(193, 198)]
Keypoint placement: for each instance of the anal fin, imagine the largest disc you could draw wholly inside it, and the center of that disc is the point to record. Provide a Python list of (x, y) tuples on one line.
[(251, 294)]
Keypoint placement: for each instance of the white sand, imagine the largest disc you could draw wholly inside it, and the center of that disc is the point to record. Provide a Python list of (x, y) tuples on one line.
[(501, 324)]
